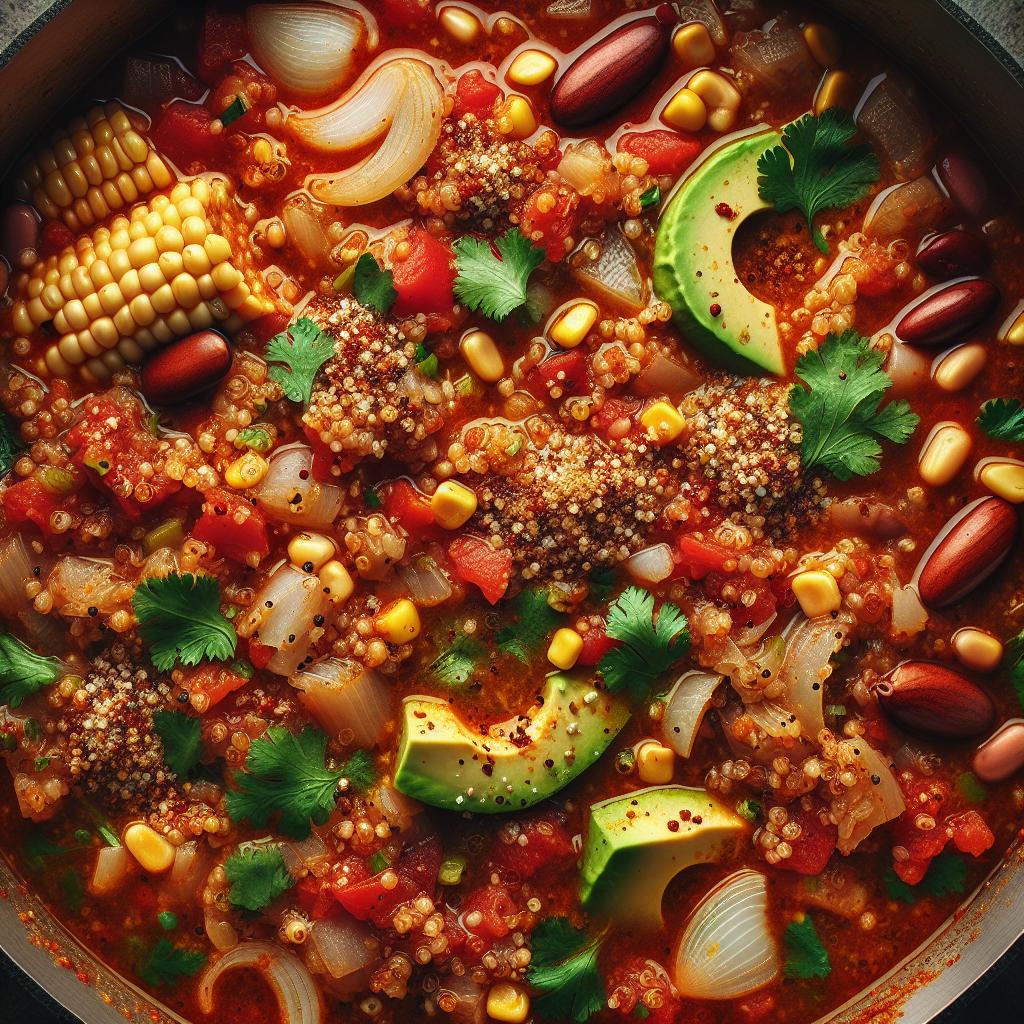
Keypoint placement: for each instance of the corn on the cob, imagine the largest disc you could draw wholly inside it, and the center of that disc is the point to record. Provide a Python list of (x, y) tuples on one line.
[(95, 166), (179, 263)]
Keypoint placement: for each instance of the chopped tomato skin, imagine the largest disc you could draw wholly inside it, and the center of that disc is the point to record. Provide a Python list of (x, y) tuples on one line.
[(813, 847), (971, 833), (260, 654), (550, 217), (879, 278), (475, 561), (182, 132), (28, 501), (425, 277), (409, 507), (211, 683), (567, 371), (541, 843), (316, 898), (696, 558), (665, 152), (233, 526), (495, 905), (475, 95), (928, 796), (596, 644)]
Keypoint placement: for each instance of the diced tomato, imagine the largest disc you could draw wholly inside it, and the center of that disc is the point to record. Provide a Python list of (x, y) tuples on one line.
[(665, 152), (813, 847), (923, 796), (365, 897), (316, 898), (232, 525), (475, 561), (28, 501), (260, 654), (424, 278), (475, 95), (971, 833), (596, 644), (549, 217), (495, 905), (696, 558), (212, 682), (407, 13), (409, 507), (615, 413), (222, 39), (324, 460), (54, 237), (880, 276), (567, 371), (182, 132), (538, 842)]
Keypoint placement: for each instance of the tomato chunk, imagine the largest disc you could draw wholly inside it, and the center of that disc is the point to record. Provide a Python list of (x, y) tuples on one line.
[(696, 558), (475, 561), (28, 501), (971, 833), (211, 683), (567, 371), (260, 654), (475, 95), (665, 152), (425, 277), (182, 132), (232, 526), (411, 509), (528, 846), (550, 217), (494, 905), (316, 898), (596, 644), (813, 847)]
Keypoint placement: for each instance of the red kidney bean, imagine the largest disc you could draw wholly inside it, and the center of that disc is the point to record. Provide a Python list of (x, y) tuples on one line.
[(966, 184), (1002, 754), (949, 312), (19, 231), (612, 71), (929, 698), (186, 368), (952, 253)]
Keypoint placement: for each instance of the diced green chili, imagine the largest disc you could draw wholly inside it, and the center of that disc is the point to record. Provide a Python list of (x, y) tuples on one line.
[(169, 534), (450, 871)]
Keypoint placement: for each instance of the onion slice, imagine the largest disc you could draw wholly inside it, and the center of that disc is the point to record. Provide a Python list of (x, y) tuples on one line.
[(727, 950), (687, 704), (652, 565), (291, 983), (875, 799)]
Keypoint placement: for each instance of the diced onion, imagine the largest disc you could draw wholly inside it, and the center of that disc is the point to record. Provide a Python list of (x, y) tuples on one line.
[(343, 946), (470, 996), (775, 721), (296, 992), (426, 581), (874, 800), (615, 275), (306, 231), (290, 476), (727, 950), (687, 703), (305, 853), (909, 615), (16, 569), (587, 167), (78, 584), (347, 699), (112, 866), (652, 565), (219, 929), (399, 810), (664, 377), (912, 206), (185, 877), (860, 516)]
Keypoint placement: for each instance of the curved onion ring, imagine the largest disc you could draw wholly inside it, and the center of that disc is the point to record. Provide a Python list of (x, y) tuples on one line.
[(296, 992), (685, 707)]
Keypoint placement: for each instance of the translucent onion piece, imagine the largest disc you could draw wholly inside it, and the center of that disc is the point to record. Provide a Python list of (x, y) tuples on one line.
[(307, 48), (652, 565), (426, 581), (304, 854), (911, 206), (471, 997), (687, 703), (587, 167), (665, 377), (285, 973), (909, 615), (185, 877), (112, 866), (415, 126), (399, 810), (615, 274), (343, 946), (16, 569), (348, 700), (727, 949), (868, 803), (775, 721), (78, 584), (219, 929), (291, 474), (306, 231)]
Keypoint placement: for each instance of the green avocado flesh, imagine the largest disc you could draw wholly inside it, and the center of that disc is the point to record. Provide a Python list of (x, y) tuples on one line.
[(444, 762), (693, 264), (632, 852)]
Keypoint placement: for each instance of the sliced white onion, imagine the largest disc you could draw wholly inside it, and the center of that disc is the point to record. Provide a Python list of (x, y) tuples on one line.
[(290, 477), (304, 854), (727, 950), (587, 167), (219, 929), (186, 874), (347, 699), (410, 113), (112, 866), (773, 720), (652, 565), (615, 275), (307, 48), (44, 632), (426, 581), (909, 615), (685, 707), (296, 992), (343, 945), (664, 377), (874, 800), (306, 231)]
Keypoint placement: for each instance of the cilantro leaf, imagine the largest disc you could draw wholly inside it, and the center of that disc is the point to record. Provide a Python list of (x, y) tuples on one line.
[(23, 672), (493, 286), (535, 619), (1003, 419), (166, 964), (360, 771), (257, 876), (816, 169), (838, 408), (946, 876), (179, 617), (564, 970), (602, 581), (455, 666), (303, 348), (1014, 659), (806, 956), (372, 286), (10, 444), (257, 438), (649, 647), (285, 775), (182, 738)]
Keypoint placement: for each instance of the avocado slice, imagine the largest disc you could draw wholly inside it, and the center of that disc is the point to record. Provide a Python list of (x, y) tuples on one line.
[(632, 853), (693, 266), (514, 764)]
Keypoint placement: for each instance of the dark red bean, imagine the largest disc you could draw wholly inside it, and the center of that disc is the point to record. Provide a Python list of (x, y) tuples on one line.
[(929, 698), (966, 184), (948, 313), (952, 253), (611, 72), (19, 230), (186, 368)]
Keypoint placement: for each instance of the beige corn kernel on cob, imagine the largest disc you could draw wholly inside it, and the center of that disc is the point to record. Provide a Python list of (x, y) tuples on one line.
[(95, 166), (174, 265)]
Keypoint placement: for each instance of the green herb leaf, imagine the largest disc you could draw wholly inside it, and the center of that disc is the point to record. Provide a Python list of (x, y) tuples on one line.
[(535, 619), (179, 618), (257, 876), (1013, 660), (168, 920), (970, 788), (72, 890), (360, 770), (256, 438), (37, 849), (182, 739), (373, 286), (820, 171), (1003, 419), (303, 348), (564, 970), (23, 672), (166, 964), (946, 876), (10, 444), (285, 775), (602, 582), (235, 109), (650, 198), (493, 286), (455, 666), (649, 647), (749, 809), (806, 956), (427, 362), (839, 411)]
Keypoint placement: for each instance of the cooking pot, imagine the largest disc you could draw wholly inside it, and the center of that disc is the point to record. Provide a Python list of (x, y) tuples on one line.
[(48, 49)]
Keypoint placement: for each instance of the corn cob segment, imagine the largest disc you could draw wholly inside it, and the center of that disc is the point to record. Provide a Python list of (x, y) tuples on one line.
[(174, 265), (95, 166)]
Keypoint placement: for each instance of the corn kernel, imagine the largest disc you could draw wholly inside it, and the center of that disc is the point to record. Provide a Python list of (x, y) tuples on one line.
[(246, 471), (685, 111), (943, 453), (663, 422), (520, 113), (310, 551), (453, 504), (824, 43), (693, 46), (1013, 329), (977, 649), (531, 67), (837, 89), (399, 622), (721, 98), (336, 581), (154, 853), (655, 764), (508, 1003), (573, 324), (565, 647), (483, 356), (1004, 477), (817, 592), (460, 24)]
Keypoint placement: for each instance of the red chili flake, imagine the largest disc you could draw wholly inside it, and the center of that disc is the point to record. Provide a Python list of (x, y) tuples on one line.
[(725, 210), (685, 815), (716, 309), (673, 825)]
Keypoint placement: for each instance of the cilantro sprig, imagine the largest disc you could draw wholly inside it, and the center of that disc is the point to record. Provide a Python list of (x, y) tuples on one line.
[(817, 169), (257, 877), (806, 955), (535, 619), (302, 349), (23, 672), (838, 406), (373, 286), (651, 643), (564, 970), (180, 619), (946, 876), (166, 964), (456, 666), (10, 444), (495, 285), (181, 735), (1003, 419)]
